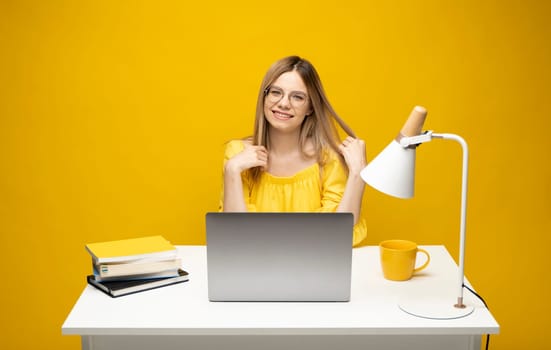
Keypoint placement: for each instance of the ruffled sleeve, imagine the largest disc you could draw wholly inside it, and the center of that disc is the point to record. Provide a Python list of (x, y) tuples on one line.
[(233, 148), (333, 184), (333, 181), (360, 232)]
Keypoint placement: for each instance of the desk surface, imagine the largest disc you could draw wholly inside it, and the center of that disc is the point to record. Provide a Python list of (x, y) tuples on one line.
[(184, 309)]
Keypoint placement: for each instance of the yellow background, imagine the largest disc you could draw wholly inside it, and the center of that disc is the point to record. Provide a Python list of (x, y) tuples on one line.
[(113, 117)]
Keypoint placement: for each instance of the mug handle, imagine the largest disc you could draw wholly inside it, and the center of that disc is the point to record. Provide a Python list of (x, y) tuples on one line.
[(419, 250)]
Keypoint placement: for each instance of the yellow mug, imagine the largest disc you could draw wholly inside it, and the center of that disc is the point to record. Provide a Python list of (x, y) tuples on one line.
[(398, 259)]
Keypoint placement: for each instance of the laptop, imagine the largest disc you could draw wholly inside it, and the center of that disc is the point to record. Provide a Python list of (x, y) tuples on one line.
[(279, 256)]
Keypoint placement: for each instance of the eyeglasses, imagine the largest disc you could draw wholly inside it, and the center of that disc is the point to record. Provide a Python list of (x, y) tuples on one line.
[(274, 94)]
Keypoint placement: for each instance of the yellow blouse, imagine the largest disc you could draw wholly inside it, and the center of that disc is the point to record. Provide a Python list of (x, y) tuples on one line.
[(305, 191)]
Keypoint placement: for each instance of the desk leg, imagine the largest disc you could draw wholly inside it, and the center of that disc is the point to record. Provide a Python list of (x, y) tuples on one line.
[(86, 342), (476, 342)]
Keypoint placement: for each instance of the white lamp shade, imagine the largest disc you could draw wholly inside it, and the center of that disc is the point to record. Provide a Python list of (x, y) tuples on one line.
[(392, 171)]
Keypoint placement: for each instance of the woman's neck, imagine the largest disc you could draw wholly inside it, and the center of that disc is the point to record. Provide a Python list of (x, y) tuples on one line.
[(286, 158), (284, 143)]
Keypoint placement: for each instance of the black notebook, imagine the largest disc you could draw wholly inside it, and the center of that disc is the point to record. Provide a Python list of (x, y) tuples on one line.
[(120, 288)]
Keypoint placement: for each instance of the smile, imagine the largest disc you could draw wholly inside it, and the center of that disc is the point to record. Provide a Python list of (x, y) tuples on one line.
[(281, 115)]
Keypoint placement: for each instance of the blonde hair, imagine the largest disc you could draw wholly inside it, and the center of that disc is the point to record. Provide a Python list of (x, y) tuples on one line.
[(319, 126)]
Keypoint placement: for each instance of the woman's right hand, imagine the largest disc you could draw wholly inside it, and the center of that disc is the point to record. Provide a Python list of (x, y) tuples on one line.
[(251, 156)]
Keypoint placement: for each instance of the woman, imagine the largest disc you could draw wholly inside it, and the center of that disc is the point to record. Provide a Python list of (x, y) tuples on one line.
[(295, 161)]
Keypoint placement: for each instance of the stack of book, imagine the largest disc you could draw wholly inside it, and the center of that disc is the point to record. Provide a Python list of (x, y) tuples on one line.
[(133, 265)]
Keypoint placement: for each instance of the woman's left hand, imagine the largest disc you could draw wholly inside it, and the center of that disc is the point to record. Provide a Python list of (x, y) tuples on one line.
[(353, 151)]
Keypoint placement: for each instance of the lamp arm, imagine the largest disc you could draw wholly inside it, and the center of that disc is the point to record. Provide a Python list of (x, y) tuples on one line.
[(427, 136), (463, 223)]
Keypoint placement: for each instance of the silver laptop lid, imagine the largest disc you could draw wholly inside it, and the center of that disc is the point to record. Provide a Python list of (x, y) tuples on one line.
[(279, 256)]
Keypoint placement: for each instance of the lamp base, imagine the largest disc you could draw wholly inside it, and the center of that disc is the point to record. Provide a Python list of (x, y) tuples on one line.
[(435, 309)]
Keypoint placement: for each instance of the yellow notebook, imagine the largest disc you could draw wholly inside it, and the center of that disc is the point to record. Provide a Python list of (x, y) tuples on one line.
[(131, 249)]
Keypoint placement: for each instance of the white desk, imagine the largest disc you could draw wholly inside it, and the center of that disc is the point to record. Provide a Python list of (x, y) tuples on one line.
[(181, 317)]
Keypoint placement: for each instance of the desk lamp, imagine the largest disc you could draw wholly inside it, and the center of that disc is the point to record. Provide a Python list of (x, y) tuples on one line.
[(392, 172)]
